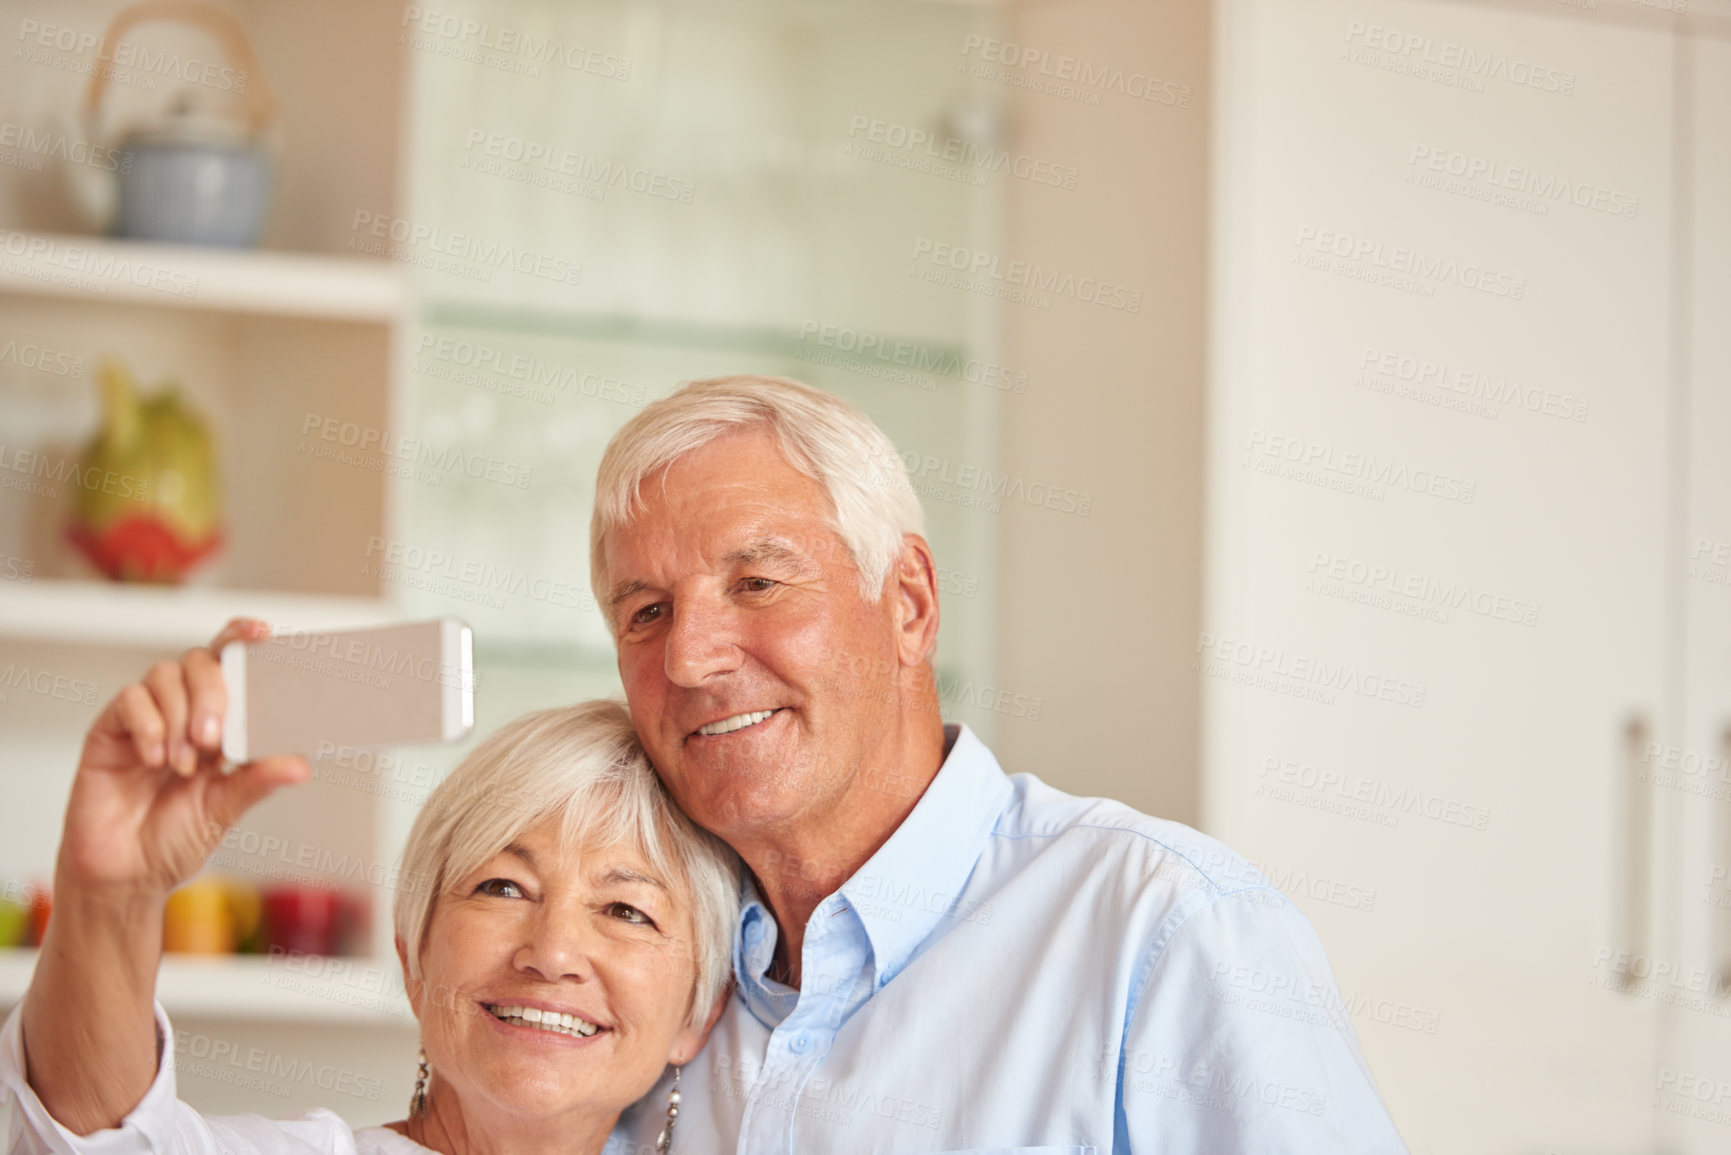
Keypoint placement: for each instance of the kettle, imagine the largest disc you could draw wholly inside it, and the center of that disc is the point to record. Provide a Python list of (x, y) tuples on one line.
[(198, 174)]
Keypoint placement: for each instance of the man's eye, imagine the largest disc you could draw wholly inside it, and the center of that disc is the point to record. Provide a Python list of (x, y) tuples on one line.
[(757, 585), (627, 913), (500, 888), (646, 615)]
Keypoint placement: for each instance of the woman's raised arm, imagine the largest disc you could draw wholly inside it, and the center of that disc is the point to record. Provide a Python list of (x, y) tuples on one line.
[(149, 803)]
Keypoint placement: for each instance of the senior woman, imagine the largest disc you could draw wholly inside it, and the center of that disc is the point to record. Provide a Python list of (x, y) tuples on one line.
[(564, 935)]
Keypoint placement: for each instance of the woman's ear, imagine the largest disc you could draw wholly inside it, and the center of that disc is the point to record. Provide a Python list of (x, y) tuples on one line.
[(690, 1039), (411, 986)]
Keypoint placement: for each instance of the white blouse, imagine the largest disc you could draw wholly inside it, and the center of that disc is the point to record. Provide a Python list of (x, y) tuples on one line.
[(162, 1125)]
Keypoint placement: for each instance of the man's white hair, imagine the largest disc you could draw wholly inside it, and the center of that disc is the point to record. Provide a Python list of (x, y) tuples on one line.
[(872, 502), (583, 766)]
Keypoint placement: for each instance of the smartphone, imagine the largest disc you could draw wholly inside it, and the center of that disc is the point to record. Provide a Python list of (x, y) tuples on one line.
[(298, 693)]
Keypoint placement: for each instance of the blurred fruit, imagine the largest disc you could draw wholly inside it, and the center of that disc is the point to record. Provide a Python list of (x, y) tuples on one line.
[(247, 910), (148, 506), (302, 919), (199, 918), (14, 917), (41, 906)]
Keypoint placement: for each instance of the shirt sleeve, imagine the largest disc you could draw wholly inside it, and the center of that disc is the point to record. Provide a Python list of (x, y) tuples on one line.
[(1238, 1042), (160, 1124)]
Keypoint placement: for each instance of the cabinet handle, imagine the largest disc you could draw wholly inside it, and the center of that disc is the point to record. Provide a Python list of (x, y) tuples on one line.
[(1719, 906), (1629, 916)]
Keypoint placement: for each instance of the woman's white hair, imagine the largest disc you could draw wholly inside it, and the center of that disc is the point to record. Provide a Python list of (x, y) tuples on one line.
[(872, 502), (584, 765)]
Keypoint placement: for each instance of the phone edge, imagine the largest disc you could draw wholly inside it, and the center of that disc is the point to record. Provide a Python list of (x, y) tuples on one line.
[(457, 653), (234, 746)]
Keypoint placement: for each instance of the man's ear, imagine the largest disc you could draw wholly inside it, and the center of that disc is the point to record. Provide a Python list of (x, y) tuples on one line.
[(690, 1039), (914, 585)]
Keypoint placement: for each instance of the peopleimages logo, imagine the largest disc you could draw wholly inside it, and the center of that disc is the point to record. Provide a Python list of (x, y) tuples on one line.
[(1089, 77), (422, 244), (477, 41), (1478, 64), (983, 268), (1352, 471), (90, 269), (1544, 187), (863, 347), (1277, 668), (1471, 384), (121, 56), (1372, 260), (955, 150), (38, 146)]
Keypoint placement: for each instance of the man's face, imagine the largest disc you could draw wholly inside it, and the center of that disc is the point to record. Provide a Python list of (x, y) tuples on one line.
[(739, 616)]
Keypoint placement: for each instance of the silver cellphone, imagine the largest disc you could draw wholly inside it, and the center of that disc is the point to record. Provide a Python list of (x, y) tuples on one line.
[(400, 685)]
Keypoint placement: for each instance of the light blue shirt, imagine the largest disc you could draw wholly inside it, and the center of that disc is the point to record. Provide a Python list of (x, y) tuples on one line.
[(1018, 969)]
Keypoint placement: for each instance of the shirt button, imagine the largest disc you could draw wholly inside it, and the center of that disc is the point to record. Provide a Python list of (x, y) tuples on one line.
[(753, 932), (801, 1043)]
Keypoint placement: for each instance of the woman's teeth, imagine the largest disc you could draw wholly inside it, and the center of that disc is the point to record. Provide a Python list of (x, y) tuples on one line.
[(737, 722), (555, 1021)]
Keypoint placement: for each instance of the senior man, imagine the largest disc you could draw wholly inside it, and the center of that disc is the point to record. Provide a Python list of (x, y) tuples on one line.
[(932, 956)]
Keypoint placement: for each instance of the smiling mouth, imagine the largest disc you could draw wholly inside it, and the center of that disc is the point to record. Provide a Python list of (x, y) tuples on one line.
[(555, 1021), (738, 722)]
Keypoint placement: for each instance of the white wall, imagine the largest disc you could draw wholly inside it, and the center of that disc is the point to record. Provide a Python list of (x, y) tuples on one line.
[(1100, 613)]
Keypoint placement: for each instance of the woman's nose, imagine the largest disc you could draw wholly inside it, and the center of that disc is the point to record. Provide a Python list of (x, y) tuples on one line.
[(559, 944)]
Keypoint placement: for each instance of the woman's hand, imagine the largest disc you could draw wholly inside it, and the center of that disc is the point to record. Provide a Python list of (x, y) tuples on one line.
[(150, 801)]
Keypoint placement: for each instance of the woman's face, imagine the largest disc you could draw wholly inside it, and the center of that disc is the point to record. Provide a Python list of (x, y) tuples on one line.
[(544, 931)]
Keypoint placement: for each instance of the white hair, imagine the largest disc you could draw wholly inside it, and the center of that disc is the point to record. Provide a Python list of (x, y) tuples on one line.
[(584, 765), (872, 502)]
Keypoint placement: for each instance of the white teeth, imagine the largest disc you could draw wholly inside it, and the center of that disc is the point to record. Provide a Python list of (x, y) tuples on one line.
[(556, 1021), (737, 722)]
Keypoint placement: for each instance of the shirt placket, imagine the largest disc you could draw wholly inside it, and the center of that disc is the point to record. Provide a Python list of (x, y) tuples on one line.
[(832, 966)]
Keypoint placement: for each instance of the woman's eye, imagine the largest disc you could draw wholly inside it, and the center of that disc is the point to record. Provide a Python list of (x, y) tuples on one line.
[(500, 888), (630, 914)]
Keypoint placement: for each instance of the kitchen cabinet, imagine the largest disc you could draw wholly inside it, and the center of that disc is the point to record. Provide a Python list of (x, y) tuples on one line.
[(1469, 389)]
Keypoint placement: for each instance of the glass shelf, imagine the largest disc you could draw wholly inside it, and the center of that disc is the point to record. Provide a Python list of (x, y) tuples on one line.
[(937, 355)]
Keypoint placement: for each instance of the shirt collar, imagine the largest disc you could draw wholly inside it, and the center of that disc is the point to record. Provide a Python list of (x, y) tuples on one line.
[(914, 881), (904, 890)]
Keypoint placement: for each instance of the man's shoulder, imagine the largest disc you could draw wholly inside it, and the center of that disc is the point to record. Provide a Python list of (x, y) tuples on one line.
[(1114, 839)]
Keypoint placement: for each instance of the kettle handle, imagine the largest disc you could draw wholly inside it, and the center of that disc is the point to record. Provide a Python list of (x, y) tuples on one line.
[(255, 91)]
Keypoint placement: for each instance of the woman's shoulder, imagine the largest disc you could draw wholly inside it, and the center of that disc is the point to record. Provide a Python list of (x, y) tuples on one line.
[(384, 1141), (317, 1130)]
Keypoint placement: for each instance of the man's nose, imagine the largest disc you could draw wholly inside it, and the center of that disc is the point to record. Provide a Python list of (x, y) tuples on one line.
[(700, 644)]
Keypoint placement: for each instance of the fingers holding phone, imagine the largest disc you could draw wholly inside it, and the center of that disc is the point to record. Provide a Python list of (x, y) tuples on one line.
[(150, 799)]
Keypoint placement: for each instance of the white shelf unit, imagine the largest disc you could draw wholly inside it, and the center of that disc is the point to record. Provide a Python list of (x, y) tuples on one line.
[(263, 342), (258, 339)]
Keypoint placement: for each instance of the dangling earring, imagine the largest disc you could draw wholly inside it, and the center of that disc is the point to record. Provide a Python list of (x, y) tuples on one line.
[(664, 1141), (418, 1102)]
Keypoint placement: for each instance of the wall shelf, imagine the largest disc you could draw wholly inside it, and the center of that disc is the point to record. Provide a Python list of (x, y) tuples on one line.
[(358, 990), (253, 281), (114, 614)]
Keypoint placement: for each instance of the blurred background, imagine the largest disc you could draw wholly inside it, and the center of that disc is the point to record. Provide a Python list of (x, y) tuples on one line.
[(1320, 409)]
